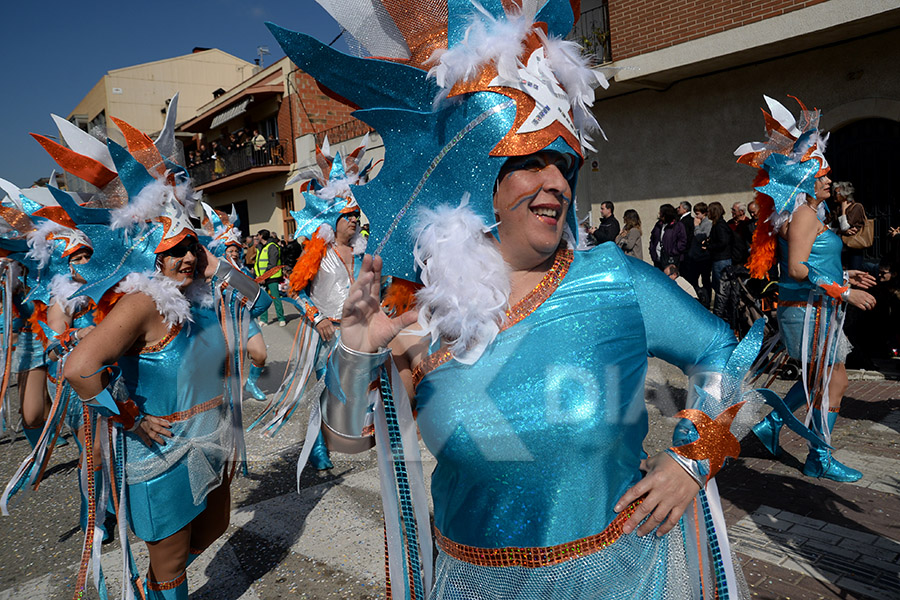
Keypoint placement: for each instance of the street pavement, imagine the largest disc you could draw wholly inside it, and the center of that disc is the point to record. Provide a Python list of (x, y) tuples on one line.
[(795, 537)]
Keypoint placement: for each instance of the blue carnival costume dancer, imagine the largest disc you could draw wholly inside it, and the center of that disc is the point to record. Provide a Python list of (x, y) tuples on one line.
[(168, 412), (814, 290), (526, 367), (224, 237), (321, 279)]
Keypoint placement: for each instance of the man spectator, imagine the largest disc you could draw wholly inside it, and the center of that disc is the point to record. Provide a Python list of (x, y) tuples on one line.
[(687, 219), (268, 272), (753, 209), (740, 226), (292, 252), (608, 228)]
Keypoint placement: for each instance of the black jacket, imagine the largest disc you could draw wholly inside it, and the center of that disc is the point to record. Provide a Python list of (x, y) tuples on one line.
[(607, 230), (720, 241)]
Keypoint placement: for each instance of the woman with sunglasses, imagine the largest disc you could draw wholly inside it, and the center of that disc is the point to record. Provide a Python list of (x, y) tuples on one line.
[(161, 370)]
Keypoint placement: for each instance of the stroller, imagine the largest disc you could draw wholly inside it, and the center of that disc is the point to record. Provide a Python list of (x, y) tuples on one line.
[(741, 301)]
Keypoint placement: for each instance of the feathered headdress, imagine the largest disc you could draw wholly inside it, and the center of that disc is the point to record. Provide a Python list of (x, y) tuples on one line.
[(221, 229), (330, 197), (51, 236), (143, 205), (789, 161), (458, 88)]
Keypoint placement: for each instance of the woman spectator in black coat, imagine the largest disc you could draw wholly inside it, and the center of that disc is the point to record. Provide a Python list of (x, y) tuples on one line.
[(721, 239), (668, 240)]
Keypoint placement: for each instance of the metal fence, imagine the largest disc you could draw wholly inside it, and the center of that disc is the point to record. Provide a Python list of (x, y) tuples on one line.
[(592, 32), (240, 159)]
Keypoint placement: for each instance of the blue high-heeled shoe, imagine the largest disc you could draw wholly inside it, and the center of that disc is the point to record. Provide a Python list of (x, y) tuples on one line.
[(768, 431), (251, 386), (318, 457), (821, 464)]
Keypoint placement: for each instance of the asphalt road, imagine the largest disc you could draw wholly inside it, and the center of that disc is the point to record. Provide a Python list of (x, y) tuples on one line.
[(795, 537)]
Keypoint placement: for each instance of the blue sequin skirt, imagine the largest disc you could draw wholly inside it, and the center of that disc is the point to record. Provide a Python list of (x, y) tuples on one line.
[(29, 352)]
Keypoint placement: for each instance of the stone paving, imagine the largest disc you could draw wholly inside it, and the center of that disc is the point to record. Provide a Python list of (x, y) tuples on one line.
[(795, 537)]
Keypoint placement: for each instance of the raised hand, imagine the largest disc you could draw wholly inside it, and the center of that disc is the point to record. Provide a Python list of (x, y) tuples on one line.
[(364, 325)]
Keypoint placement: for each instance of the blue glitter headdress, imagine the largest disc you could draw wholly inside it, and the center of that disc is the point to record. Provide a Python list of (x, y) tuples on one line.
[(329, 191), (793, 155), (221, 230), (49, 233), (459, 88), (144, 202)]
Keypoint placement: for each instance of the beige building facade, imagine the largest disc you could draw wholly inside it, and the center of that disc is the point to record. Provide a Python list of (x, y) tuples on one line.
[(139, 94)]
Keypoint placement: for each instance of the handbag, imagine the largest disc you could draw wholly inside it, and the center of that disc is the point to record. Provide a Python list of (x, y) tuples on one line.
[(863, 238)]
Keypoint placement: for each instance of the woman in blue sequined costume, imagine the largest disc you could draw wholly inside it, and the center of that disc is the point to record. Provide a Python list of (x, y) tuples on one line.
[(813, 290), (28, 361), (178, 498), (529, 356)]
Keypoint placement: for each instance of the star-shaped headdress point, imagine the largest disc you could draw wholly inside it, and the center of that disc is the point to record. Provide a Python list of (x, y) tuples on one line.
[(497, 81)]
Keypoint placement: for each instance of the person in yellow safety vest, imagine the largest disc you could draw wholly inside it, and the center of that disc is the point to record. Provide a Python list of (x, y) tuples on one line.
[(268, 260)]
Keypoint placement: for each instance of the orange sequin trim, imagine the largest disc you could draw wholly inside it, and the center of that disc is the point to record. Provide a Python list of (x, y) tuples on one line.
[(173, 331), (184, 415), (159, 586), (532, 558), (522, 309)]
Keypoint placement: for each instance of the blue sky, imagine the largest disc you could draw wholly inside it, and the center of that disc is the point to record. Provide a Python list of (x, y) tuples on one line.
[(55, 51)]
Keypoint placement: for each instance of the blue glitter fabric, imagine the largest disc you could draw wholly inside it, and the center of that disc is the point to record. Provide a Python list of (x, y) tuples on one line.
[(167, 484), (795, 296), (537, 440)]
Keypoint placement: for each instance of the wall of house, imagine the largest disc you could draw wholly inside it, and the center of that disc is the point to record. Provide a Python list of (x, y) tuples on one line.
[(640, 26), (677, 144), (263, 202)]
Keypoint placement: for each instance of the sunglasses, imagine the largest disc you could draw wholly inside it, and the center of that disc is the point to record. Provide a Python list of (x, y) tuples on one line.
[(181, 249)]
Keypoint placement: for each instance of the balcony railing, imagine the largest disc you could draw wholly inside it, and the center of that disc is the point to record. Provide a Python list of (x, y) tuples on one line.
[(240, 159), (592, 32)]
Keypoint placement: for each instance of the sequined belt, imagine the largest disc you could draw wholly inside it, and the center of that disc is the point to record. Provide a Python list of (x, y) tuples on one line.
[(184, 415), (540, 556)]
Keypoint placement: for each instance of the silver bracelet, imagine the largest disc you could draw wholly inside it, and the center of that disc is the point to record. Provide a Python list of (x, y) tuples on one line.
[(245, 286), (355, 371)]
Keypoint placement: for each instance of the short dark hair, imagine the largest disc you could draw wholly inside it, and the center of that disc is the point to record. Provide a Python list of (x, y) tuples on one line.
[(264, 234), (609, 205)]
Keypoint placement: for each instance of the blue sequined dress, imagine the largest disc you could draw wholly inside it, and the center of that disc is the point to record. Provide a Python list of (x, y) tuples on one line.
[(537, 440), (179, 379), (804, 305)]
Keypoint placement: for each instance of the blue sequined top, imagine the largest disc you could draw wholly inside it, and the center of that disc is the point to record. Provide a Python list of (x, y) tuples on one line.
[(537, 440), (825, 257)]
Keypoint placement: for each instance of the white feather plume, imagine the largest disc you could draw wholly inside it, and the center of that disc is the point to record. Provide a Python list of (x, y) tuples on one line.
[(572, 70), (62, 287), (358, 243), (325, 232), (170, 301), (486, 40), (151, 201), (41, 248), (466, 291)]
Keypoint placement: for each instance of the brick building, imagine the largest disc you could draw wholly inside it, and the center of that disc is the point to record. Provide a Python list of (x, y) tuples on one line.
[(693, 74), (286, 107)]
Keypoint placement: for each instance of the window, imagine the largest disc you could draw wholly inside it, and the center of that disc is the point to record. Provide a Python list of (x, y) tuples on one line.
[(287, 205)]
